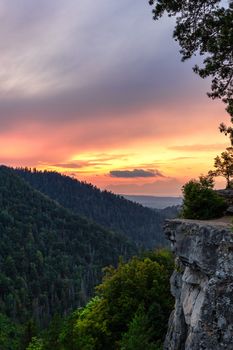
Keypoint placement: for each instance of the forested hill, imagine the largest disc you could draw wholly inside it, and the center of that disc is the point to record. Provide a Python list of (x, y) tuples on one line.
[(50, 259), (140, 224)]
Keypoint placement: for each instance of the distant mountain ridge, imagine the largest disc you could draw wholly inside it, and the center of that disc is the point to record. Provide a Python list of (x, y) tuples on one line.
[(141, 225), (154, 201)]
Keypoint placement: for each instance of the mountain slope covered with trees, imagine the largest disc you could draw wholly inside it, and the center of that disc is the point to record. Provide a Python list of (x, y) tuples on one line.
[(50, 259), (129, 312), (141, 225)]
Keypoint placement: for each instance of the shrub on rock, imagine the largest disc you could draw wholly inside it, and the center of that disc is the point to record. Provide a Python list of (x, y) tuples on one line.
[(201, 201)]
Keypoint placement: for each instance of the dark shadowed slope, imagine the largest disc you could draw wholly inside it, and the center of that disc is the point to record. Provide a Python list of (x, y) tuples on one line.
[(50, 259), (140, 224)]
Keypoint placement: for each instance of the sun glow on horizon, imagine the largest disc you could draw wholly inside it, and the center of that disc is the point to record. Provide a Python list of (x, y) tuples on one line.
[(102, 106)]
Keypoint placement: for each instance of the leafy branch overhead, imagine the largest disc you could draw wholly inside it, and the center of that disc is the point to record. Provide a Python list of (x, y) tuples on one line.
[(205, 27)]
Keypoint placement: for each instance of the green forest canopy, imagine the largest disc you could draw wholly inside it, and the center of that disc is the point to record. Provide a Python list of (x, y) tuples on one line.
[(50, 259), (129, 312), (141, 225)]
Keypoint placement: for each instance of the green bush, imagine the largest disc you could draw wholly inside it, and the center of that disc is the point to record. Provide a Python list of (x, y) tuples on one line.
[(36, 344), (10, 334), (201, 201)]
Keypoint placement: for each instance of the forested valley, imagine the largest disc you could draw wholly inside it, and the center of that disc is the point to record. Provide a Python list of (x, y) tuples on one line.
[(52, 255), (140, 224)]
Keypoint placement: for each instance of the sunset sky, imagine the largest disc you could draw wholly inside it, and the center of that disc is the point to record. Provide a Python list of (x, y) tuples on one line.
[(96, 90)]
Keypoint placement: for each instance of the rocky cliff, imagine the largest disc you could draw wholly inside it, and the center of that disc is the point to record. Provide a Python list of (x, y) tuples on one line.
[(202, 285)]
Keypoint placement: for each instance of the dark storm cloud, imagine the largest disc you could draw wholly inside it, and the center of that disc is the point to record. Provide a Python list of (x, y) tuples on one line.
[(135, 173), (64, 61)]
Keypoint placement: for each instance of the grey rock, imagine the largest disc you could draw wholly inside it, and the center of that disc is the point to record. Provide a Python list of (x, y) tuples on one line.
[(202, 285), (229, 210)]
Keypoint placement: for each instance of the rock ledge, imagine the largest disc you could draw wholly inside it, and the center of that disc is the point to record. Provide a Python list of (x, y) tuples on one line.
[(202, 285)]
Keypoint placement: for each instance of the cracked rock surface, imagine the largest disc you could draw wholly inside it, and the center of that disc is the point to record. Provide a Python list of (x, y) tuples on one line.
[(202, 285)]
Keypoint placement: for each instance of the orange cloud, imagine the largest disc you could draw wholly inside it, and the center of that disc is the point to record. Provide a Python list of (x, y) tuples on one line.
[(200, 148), (174, 144)]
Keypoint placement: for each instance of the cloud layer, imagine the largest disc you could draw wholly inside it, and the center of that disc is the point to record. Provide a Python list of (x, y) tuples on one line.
[(135, 173), (96, 87), (65, 61)]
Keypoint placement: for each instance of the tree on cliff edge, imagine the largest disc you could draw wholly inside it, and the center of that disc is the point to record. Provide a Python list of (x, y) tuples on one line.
[(224, 166), (201, 202), (205, 27)]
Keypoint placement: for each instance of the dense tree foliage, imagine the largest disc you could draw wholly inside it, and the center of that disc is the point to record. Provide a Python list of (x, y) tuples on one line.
[(201, 201), (130, 310), (50, 259), (140, 224), (224, 166), (10, 334), (205, 27)]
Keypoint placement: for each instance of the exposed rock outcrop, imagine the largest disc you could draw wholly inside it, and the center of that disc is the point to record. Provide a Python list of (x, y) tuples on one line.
[(202, 285)]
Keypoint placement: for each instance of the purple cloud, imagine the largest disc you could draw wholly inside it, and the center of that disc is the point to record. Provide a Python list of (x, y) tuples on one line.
[(135, 173)]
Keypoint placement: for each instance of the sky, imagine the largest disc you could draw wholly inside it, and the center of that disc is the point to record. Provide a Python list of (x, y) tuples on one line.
[(97, 90)]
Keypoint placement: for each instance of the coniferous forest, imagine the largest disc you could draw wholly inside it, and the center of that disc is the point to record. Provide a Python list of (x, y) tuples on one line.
[(52, 258), (140, 224)]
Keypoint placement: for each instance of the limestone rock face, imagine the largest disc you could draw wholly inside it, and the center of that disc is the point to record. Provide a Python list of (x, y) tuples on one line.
[(202, 285)]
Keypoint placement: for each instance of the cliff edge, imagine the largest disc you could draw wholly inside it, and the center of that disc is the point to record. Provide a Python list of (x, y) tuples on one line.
[(202, 285)]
